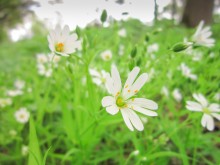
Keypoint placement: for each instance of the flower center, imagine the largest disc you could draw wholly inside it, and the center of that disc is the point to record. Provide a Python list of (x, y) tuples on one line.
[(207, 111), (59, 47), (120, 102)]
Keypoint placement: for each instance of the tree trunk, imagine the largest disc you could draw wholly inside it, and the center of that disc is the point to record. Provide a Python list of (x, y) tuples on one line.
[(197, 10)]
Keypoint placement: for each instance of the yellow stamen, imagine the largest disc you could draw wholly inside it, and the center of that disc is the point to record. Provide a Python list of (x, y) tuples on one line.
[(135, 91), (59, 47)]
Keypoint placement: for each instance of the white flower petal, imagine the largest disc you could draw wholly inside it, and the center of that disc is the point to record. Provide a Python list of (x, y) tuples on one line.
[(125, 115), (131, 77), (108, 101), (194, 106), (145, 103), (216, 115), (65, 32), (143, 110), (113, 109), (135, 120), (109, 84), (214, 107), (201, 99), (207, 122), (116, 79)]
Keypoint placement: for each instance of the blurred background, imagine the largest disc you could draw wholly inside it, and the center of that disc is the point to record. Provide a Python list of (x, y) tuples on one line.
[(19, 18)]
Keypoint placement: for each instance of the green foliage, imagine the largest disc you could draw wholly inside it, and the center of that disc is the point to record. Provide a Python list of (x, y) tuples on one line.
[(69, 125)]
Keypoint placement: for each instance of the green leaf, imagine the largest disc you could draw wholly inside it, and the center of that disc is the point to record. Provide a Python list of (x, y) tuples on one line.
[(34, 148)]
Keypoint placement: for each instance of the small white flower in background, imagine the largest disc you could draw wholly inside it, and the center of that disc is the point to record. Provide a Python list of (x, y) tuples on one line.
[(24, 150), (22, 115), (44, 71), (186, 71), (122, 32), (19, 84), (42, 58), (99, 78), (62, 42), (164, 91), (121, 50), (13, 93), (209, 111), (212, 55), (12, 132), (135, 153), (123, 99), (106, 55), (196, 54), (153, 48), (5, 102), (202, 36), (177, 95), (144, 119), (151, 74), (217, 97)]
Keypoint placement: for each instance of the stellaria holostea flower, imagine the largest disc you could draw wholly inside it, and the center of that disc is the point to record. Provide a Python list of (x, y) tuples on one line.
[(202, 36), (62, 42), (99, 78), (122, 32), (5, 102), (177, 95), (22, 115), (209, 111), (106, 55), (186, 71), (124, 100)]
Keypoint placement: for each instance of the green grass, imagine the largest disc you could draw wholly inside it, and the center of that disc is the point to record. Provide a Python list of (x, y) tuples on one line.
[(71, 125)]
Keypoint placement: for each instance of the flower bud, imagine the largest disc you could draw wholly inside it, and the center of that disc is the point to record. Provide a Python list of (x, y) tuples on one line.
[(103, 16), (134, 52), (181, 46)]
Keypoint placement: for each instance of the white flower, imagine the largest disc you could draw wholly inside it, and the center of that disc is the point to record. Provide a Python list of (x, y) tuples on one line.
[(22, 115), (186, 71), (13, 93), (202, 36), (44, 71), (24, 150), (210, 110), (135, 153), (165, 91), (98, 78), (42, 58), (5, 102), (106, 55), (19, 84), (62, 42), (123, 99), (177, 95), (153, 48), (122, 32)]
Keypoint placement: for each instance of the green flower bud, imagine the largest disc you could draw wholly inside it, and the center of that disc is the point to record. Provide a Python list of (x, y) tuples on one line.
[(131, 64), (181, 46), (147, 38), (78, 31), (134, 52), (103, 16)]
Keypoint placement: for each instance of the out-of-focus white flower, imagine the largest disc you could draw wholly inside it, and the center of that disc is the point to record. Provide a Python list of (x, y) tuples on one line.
[(122, 32), (202, 36), (24, 150), (186, 71), (13, 93), (177, 95), (212, 55), (22, 115), (121, 50), (217, 97), (165, 91), (153, 48), (62, 42), (98, 78), (123, 99), (196, 54), (151, 74), (42, 58), (106, 55), (12, 132), (19, 84), (135, 153), (5, 102), (209, 111), (144, 119), (42, 70)]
